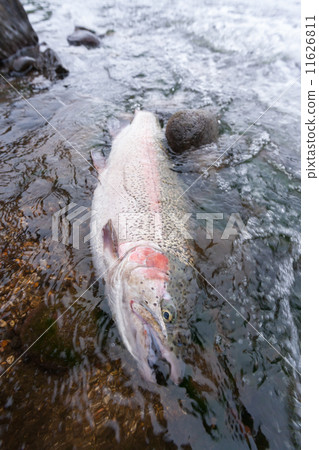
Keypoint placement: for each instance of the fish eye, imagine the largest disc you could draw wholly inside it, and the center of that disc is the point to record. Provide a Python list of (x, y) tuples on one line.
[(168, 314)]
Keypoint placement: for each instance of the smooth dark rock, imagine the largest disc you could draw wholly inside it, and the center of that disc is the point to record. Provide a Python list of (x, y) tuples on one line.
[(83, 37), (191, 129), (16, 31), (23, 64)]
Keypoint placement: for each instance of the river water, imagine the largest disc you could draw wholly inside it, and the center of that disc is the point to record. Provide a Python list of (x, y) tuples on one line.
[(78, 387)]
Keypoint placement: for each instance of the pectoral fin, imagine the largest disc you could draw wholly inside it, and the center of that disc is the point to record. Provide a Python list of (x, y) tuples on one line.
[(99, 161), (110, 241)]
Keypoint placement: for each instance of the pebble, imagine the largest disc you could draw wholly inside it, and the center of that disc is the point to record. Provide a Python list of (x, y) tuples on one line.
[(10, 359), (83, 37)]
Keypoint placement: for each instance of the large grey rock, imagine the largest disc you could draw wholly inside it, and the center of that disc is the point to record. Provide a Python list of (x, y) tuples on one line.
[(19, 49), (16, 31), (191, 128)]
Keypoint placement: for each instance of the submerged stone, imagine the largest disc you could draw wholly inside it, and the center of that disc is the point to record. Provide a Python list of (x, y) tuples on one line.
[(191, 129), (54, 350)]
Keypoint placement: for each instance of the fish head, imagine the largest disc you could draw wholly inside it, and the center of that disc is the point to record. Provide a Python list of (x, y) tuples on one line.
[(146, 123), (145, 314)]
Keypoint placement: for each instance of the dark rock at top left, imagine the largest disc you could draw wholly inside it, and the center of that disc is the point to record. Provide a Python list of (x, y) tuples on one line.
[(19, 45)]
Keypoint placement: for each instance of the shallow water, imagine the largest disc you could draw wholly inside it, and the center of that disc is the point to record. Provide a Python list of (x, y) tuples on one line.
[(80, 388)]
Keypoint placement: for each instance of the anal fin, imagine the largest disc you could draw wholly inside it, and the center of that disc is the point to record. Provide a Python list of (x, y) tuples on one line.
[(99, 160)]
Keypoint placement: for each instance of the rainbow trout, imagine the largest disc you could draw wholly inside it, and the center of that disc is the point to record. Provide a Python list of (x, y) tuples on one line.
[(139, 241)]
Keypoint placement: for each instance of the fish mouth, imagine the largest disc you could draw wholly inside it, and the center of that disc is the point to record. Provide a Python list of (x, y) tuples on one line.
[(160, 368), (158, 362)]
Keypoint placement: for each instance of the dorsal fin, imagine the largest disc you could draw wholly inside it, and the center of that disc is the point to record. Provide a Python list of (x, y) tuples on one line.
[(110, 241)]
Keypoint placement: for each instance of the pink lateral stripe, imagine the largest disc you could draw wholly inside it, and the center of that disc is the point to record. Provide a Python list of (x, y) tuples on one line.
[(151, 175)]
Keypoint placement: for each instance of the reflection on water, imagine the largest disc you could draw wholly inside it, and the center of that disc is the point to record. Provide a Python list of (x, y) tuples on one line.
[(78, 387)]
